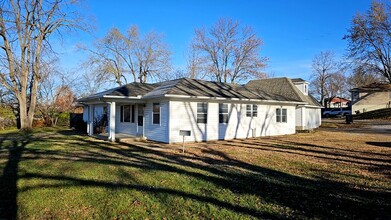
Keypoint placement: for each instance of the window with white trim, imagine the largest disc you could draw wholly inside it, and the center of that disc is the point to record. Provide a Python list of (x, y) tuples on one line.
[(125, 113), (281, 115), (202, 112), (223, 113), (251, 111), (255, 111), (156, 113)]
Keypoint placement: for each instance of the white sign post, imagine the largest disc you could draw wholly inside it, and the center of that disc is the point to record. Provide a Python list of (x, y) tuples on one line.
[(184, 133)]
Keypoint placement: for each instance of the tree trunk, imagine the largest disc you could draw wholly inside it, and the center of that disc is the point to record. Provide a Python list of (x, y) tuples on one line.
[(24, 121)]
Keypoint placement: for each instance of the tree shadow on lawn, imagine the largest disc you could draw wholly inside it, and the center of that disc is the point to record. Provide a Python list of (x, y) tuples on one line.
[(320, 198), (17, 143), (379, 144), (323, 152)]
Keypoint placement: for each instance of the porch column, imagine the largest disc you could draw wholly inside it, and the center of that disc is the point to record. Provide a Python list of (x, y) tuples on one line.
[(112, 122), (90, 124)]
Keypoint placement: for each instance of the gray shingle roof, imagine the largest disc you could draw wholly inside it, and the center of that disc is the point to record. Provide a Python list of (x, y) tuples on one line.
[(282, 87), (277, 89), (374, 87), (129, 90), (297, 80), (202, 88)]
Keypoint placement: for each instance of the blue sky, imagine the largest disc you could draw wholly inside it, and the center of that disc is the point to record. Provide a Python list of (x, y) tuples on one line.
[(292, 31)]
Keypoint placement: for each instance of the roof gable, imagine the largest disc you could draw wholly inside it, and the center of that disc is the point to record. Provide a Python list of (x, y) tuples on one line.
[(282, 87)]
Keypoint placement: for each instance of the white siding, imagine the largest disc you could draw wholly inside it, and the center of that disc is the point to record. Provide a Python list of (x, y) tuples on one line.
[(312, 118), (125, 127), (85, 113), (98, 111), (303, 87), (299, 118), (183, 117), (157, 132)]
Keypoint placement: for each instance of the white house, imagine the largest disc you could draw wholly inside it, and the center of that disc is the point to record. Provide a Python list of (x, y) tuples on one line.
[(307, 114), (206, 110)]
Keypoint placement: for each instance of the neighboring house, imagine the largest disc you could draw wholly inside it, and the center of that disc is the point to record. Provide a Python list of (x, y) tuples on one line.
[(337, 102), (209, 110), (371, 97)]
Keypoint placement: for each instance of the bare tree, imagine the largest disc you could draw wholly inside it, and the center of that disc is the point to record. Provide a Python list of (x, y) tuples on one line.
[(231, 51), (119, 54), (196, 65), (55, 95), (362, 77), (336, 85), (324, 66), (25, 30), (369, 39)]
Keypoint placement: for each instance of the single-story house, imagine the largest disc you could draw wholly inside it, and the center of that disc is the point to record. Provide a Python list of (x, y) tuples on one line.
[(371, 97), (337, 102), (205, 110)]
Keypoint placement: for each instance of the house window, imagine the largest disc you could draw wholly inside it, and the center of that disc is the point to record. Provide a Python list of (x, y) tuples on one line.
[(281, 115), (202, 112), (251, 111), (156, 113), (223, 113), (255, 111), (125, 113), (248, 111)]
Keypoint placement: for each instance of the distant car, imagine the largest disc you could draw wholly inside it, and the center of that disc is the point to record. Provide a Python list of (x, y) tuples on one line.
[(336, 112)]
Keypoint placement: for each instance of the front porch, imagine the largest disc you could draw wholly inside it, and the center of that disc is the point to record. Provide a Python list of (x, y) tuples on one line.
[(116, 121)]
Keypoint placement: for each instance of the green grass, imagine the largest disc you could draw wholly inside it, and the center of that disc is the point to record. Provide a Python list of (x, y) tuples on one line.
[(61, 174)]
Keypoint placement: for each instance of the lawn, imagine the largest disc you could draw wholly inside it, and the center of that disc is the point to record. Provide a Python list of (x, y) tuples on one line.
[(62, 174)]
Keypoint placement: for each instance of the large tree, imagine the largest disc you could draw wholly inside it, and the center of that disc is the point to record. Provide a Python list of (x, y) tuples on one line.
[(327, 79), (119, 54), (369, 39), (26, 27), (361, 76), (231, 51)]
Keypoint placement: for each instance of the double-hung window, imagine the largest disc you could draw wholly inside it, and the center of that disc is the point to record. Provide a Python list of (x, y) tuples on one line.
[(255, 111), (281, 115), (202, 112), (156, 113), (251, 111), (125, 113), (223, 113)]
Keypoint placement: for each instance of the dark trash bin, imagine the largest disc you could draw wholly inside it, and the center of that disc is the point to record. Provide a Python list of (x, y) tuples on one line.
[(349, 119)]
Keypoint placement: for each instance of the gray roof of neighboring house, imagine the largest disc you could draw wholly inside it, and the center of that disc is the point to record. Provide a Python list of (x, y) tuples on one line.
[(282, 87), (374, 87), (278, 89)]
